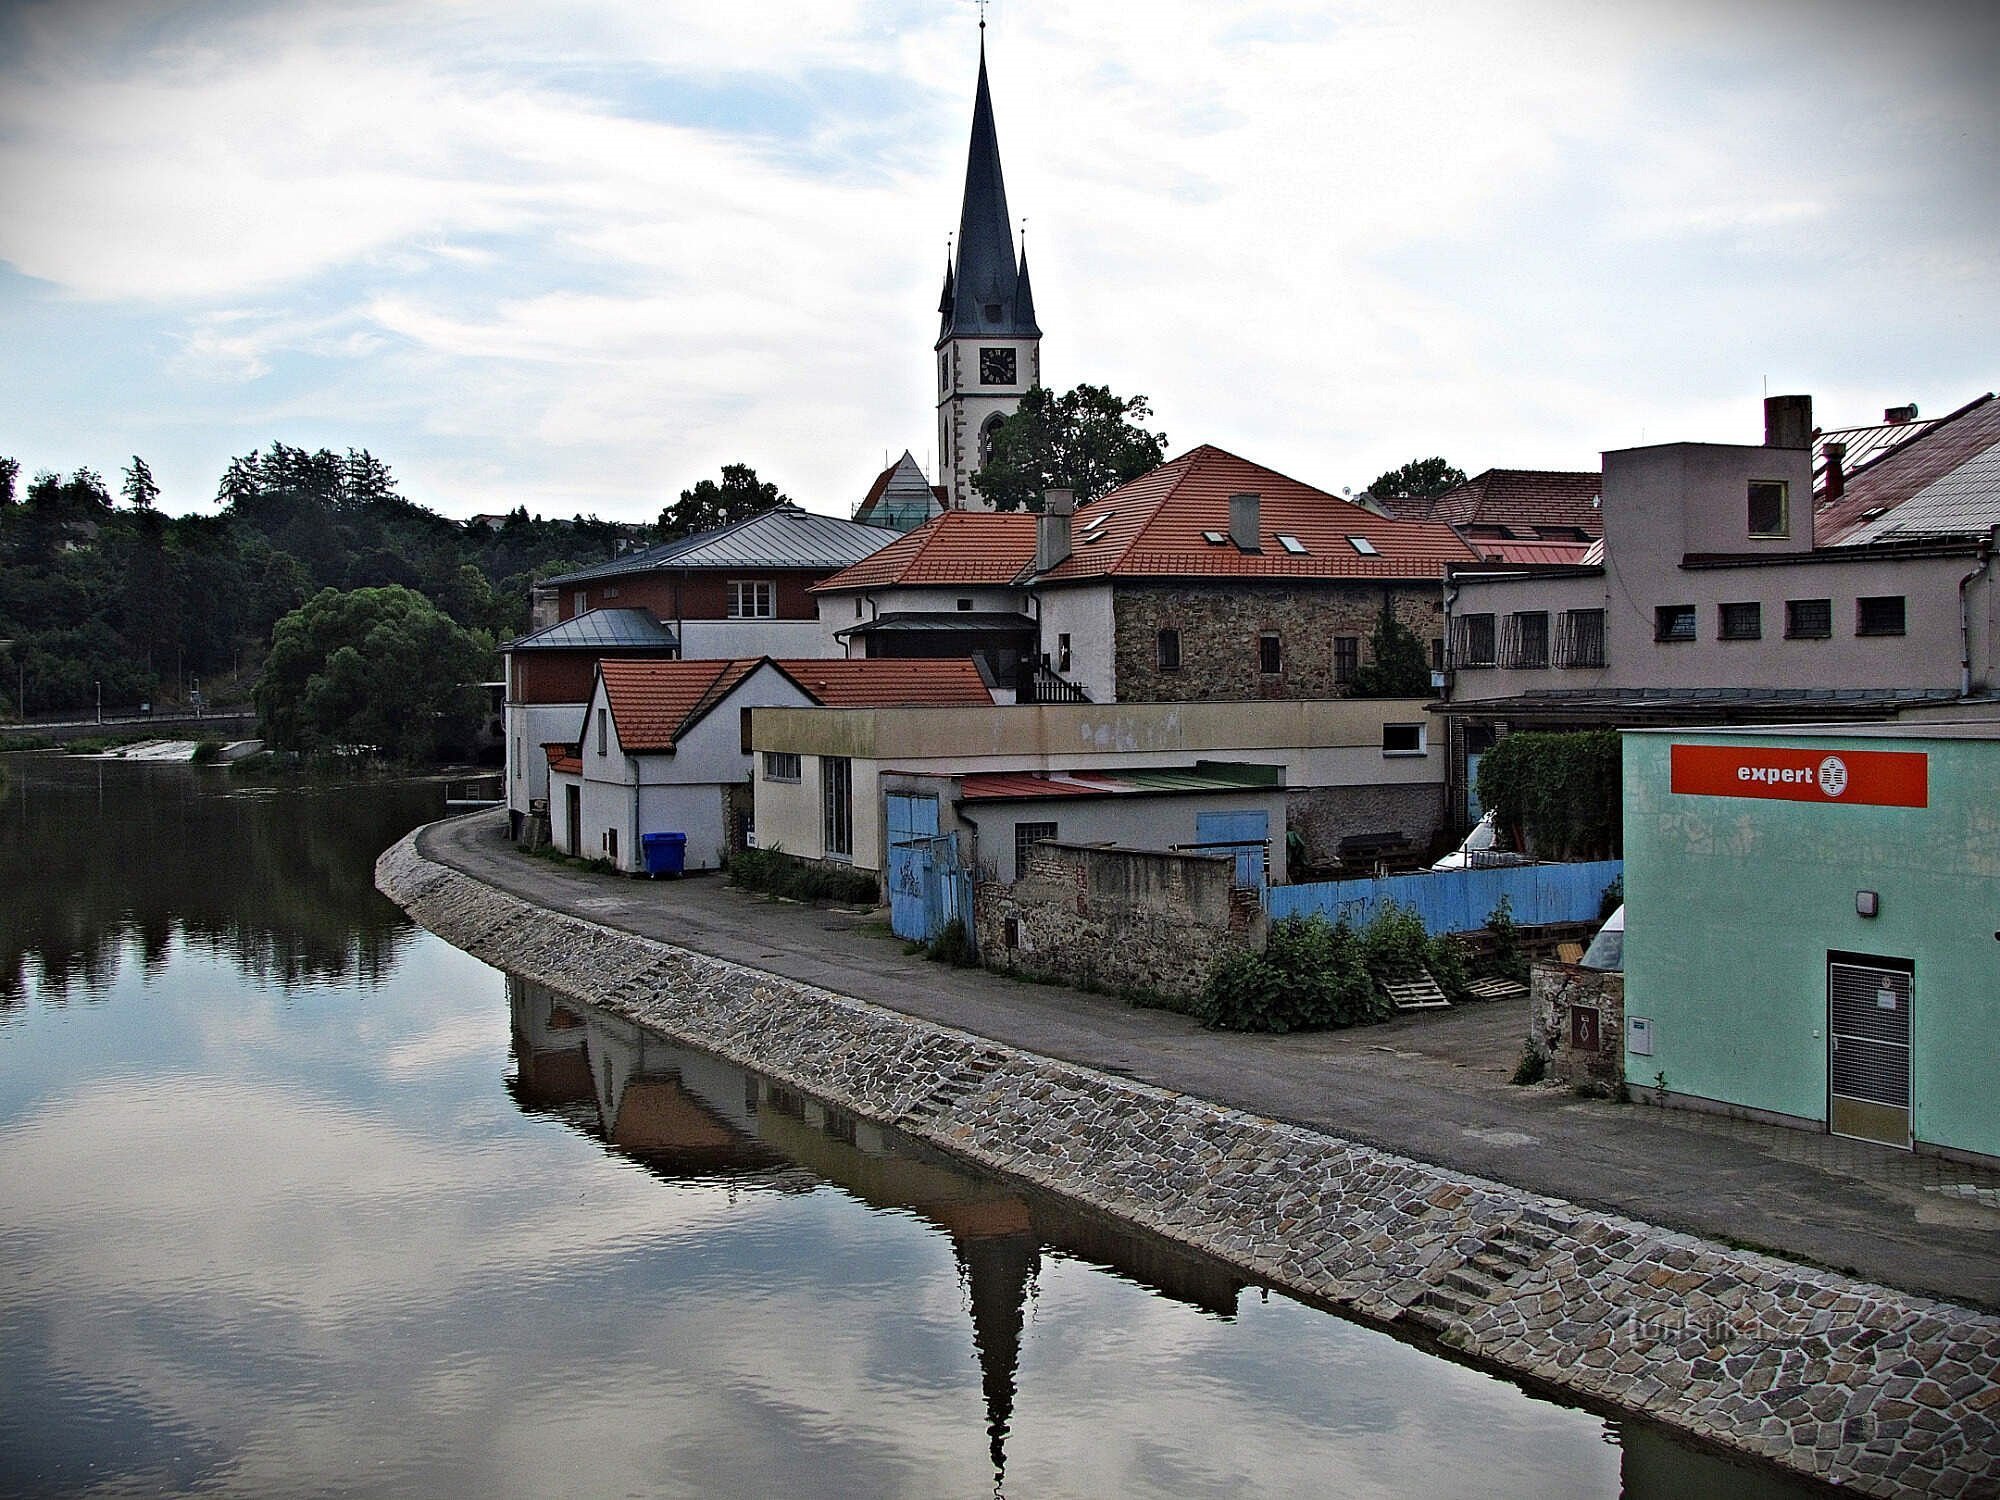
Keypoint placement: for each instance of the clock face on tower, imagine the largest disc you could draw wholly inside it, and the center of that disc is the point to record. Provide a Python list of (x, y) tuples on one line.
[(996, 366)]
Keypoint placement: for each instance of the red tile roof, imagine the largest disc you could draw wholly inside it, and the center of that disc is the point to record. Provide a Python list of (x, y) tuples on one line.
[(886, 682), (653, 703), (960, 546), (564, 757), (1514, 497), (1155, 525), (1899, 474)]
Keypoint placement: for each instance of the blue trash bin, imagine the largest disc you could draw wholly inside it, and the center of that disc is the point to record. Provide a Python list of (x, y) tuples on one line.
[(664, 853)]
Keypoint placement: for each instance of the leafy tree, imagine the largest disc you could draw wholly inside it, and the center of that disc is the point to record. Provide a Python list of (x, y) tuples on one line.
[(374, 666), (1400, 668), (1086, 440), (139, 489), (10, 470), (1419, 479), (1559, 794), (708, 505)]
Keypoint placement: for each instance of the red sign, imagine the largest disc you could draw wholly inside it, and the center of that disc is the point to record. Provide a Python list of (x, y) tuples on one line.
[(1874, 778)]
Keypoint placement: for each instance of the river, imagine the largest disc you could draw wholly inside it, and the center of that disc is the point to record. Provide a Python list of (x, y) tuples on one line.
[(296, 1199)]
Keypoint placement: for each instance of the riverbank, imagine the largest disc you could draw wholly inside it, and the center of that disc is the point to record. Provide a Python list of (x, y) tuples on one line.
[(1883, 1391)]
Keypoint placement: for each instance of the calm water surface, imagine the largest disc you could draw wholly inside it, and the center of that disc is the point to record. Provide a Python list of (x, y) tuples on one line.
[(297, 1199)]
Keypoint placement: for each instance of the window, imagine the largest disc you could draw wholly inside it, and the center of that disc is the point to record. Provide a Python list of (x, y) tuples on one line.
[(1879, 616), (1168, 651), (1770, 508), (1402, 739), (1214, 538), (579, 601), (1291, 543), (1740, 622), (1808, 619), (836, 806), (857, 609), (1673, 622), (781, 765), (611, 844), (1472, 641), (1580, 638), (1437, 653), (603, 731), (1346, 657), (517, 757), (1062, 651), (1270, 658), (743, 730), (1025, 834), (1365, 547), (1525, 642), (986, 438), (752, 599), (964, 604)]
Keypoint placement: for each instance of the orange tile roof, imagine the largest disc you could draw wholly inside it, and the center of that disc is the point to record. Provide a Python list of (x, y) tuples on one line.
[(564, 757), (960, 546), (884, 682), (653, 703), (1155, 525)]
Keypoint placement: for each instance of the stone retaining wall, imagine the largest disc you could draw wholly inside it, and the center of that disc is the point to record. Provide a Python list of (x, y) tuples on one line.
[(1883, 1392), (1577, 1023)]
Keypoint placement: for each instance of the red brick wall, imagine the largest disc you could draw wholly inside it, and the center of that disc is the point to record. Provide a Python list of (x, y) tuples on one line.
[(702, 596)]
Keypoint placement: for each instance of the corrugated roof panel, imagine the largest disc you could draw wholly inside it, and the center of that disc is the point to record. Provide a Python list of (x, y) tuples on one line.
[(600, 630), (782, 537)]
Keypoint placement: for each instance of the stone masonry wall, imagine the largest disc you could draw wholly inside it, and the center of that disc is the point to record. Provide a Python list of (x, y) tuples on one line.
[(1220, 622), (1577, 1023), (1118, 919), (1883, 1392), (1324, 815)]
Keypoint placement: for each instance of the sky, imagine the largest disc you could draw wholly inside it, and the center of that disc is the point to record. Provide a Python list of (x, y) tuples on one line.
[(578, 257)]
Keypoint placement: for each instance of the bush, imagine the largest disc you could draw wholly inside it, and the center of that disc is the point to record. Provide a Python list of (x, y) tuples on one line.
[(1532, 1067), (206, 752), (1612, 899), (1309, 977), (952, 946), (1564, 791), (1504, 957), (776, 873)]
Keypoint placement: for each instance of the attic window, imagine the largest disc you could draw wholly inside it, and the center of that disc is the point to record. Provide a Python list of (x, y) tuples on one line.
[(1365, 547), (1291, 543), (1214, 538), (1097, 520)]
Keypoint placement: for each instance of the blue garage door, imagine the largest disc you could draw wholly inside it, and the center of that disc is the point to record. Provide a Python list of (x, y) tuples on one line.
[(1216, 831)]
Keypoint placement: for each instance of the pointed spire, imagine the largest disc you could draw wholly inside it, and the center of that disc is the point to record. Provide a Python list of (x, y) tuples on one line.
[(945, 301), (987, 278), (1024, 295)]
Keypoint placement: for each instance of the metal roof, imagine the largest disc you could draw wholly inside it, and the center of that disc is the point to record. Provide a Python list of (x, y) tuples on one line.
[(1632, 706), (1964, 502), (782, 537), (968, 620), (989, 292), (1209, 776), (600, 630)]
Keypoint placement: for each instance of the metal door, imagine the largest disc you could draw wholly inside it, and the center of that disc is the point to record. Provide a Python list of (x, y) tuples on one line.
[(1217, 832), (573, 805), (913, 824), (1868, 1050)]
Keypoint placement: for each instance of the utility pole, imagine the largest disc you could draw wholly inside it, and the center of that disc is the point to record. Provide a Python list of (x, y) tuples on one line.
[(100, 700)]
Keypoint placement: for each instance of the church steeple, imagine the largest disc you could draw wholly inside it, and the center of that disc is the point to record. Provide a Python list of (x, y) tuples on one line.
[(989, 344)]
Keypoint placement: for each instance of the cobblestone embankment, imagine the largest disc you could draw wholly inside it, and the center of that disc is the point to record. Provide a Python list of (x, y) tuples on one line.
[(1880, 1391)]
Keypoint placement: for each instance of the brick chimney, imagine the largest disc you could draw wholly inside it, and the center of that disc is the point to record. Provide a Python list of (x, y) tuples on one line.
[(1836, 470), (1052, 543), (1245, 520), (1788, 422)]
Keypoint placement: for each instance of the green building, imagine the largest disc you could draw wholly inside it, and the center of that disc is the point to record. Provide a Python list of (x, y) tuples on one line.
[(1813, 926)]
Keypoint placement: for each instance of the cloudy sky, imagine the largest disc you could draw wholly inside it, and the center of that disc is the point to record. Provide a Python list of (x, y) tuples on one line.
[(576, 257)]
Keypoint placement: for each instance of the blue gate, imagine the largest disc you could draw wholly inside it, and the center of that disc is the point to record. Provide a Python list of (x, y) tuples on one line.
[(913, 824), (1239, 833)]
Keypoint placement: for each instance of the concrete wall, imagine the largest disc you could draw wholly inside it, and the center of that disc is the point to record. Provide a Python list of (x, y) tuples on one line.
[(714, 640), (1335, 743), (1083, 613), (530, 726), (1150, 822), (1128, 920), (1220, 622), (1733, 904)]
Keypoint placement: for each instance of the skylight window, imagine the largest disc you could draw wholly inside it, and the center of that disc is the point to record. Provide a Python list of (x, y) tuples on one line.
[(1214, 538), (1291, 543), (1365, 547), (1097, 520)]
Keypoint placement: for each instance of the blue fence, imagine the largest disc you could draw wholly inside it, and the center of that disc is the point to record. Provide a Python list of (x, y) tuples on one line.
[(1459, 900)]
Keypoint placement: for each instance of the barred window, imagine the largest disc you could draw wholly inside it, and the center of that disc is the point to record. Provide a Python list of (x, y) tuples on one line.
[(1025, 836), (1525, 642), (836, 805), (1879, 616), (1472, 641), (1346, 657), (1741, 622), (1170, 650), (1270, 657), (1673, 622), (1808, 619), (1580, 638)]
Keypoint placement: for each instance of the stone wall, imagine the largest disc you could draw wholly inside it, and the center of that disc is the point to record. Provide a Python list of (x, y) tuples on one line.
[(1577, 1023), (1219, 624), (1324, 815), (1124, 920), (1882, 1392)]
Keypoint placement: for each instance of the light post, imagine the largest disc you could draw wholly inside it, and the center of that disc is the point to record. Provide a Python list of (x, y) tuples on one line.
[(100, 700)]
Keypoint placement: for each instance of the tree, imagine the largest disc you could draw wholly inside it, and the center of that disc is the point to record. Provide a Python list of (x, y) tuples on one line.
[(139, 488), (1087, 440), (1419, 479), (708, 505), (10, 470), (375, 666), (1399, 668)]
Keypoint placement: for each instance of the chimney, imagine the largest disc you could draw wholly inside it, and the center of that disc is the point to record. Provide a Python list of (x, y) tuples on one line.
[(1245, 519), (1836, 470), (1897, 416), (1788, 422), (1052, 529)]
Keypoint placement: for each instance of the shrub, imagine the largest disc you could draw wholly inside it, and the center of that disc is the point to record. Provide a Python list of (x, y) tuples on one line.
[(1504, 957), (206, 752), (1612, 899), (952, 946), (1564, 791), (777, 873), (1395, 944), (1309, 977), (1532, 1067)]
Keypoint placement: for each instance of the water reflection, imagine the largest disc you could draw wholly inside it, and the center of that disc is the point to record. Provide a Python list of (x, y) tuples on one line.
[(688, 1116), (280, 880)]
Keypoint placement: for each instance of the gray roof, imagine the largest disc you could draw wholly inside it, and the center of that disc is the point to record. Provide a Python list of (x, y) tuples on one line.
[(1965, 502), (988, 280), (945, 619), (600, 630), (901, 498), (782, 537)]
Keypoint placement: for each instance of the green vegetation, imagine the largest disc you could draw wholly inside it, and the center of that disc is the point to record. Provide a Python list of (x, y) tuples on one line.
[(709, 505), (952, 946), (1088, 441), (146, 604), (1532, 1068), (1505, 958), (1398, 666), (1563, 792), (1317, 975), (380, 667), (777, 873), (1419, 479)]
